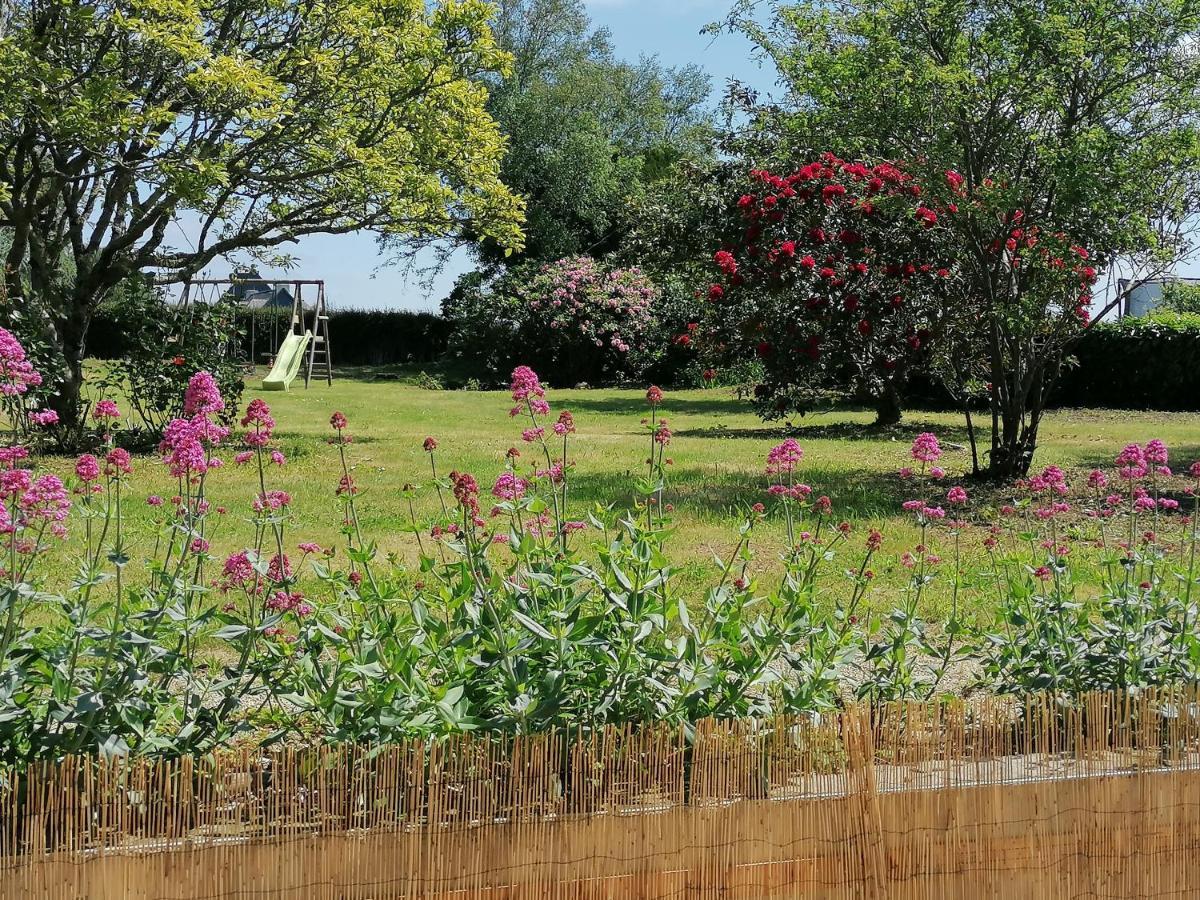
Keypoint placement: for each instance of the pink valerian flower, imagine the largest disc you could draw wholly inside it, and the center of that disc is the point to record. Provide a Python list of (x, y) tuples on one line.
[(509, 487), (277, 457), (17, 374), (289, 601), (311, 547), (466, 492), (527, 389), (529, 435), (45, 501), (1194, 469), (956, 495), (933, 512), (117, 463), (14, 482), (243, 457), (237, 571), (783, 458), (430, 444), (654, 396), (1156, 452), (925, 448), (154, 500), (271, 501), (187, 444), (937, 473), (823, 506), (662, 434), (199, 545), (346, 486), (105, 409), (1168, 504), (87, 468), (565, 424), (1043, 573), (202, 396), (259, 422), (338, 421), (44, 418), (279, 569), (1097, 480), (571, 526), (1144, 504), (906, 472)]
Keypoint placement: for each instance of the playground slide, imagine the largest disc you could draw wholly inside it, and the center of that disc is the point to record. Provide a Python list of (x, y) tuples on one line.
[(287, 362)]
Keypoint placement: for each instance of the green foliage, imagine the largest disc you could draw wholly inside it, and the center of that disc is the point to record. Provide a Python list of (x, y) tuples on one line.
[(1079, 116), (260, 121), (1181, 297), (587, 132), (163, 345)]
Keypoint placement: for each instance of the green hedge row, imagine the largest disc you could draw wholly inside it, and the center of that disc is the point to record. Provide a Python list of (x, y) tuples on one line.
[(358, 337), (1150, 363)]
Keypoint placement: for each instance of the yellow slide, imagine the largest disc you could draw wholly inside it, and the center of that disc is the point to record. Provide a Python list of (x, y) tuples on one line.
[(287, 362)]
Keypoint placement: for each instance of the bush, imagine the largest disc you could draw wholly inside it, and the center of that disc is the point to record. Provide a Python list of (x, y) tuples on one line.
[(162, 345), (574, 319), (1143, 363)]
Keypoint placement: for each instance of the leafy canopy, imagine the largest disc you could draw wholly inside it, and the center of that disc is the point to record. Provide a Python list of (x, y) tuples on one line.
[(253, 121)]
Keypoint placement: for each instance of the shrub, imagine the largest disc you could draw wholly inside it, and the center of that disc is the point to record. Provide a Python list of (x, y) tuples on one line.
[(163, 344), (574, 319)]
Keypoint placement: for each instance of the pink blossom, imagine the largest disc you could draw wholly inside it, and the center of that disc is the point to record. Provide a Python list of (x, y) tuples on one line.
[(87, 468), (243, 457), (782, 458), (529, 435), (1097, 480), (925, 448), (17, 373), (117, 462), (272, 501), (654, 395), (509, 487), (430, 444), (527, 388), (338, 421), (937, 473), (154, 500), (44, 418), (278, 458), (106, 409), (1156, 452), (956, 495), (202, 396)]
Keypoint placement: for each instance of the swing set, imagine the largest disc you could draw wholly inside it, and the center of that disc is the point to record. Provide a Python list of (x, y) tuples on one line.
[(302, 343)]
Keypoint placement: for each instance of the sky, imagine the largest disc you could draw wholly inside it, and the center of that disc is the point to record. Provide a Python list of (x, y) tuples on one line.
[(668, 29)]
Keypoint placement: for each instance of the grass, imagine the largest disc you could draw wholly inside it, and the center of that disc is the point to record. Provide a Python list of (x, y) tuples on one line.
[(718, 450)]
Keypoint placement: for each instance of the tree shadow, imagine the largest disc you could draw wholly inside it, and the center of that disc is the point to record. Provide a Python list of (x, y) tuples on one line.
[(1182, 456), (721, 493), (839, 431), (635, 405)]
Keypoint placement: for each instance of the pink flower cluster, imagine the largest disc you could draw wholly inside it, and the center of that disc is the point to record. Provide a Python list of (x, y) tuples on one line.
[(783, 458), (187, 443), (17, 374), (926, 449), (527, 390)]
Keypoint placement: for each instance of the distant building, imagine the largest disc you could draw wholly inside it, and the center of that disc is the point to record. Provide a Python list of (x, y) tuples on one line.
[(1147, 297), (255, 293)]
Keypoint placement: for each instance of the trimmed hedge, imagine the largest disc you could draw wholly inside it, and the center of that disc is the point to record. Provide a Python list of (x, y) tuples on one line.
[(358, 337), (1145, 363)]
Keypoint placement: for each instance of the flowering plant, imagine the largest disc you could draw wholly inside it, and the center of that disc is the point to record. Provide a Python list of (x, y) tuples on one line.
[(832, 275), (574, 319)]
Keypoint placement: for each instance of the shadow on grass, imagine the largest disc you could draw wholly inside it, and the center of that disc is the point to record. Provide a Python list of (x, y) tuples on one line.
[(1182, 457), (728, 494), (839, 431), (636, 405)]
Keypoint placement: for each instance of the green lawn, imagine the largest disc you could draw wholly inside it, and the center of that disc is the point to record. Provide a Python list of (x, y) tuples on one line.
[(718, 451)]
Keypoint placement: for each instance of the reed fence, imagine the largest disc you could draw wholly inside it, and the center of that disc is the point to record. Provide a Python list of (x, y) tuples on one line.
[(1039, 798)]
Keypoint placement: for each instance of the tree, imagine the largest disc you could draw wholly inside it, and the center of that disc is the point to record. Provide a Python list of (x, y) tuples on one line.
[(836, 274), (586, 131), (259, 121), (1077, 118)]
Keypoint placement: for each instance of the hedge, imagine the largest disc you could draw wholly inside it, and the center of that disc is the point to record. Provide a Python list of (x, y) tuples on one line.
[(1144, 363), (358, 337)]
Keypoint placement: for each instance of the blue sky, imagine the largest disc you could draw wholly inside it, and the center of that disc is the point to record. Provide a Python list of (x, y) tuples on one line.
[(668, 29)]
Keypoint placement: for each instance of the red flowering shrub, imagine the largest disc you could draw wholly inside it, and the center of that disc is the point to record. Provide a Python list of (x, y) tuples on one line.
[(833, 276)]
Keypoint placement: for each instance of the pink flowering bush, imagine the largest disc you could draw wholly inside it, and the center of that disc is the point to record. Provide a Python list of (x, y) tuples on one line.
[(573, 319)]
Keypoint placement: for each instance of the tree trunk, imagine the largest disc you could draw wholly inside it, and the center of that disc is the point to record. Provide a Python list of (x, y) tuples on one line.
[(888, 409)]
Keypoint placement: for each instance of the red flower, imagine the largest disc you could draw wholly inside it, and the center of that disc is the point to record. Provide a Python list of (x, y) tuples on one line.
[(177, 361), (763, 350), (715, 292), (864, 327)]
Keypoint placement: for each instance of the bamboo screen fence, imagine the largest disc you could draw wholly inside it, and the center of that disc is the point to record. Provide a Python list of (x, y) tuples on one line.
[(1000, 798)]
